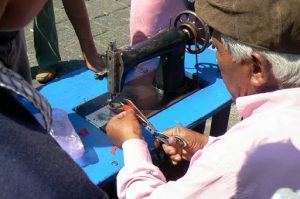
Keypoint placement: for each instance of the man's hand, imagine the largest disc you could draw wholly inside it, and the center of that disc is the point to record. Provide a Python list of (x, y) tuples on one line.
[(194, 140), (123, 126)]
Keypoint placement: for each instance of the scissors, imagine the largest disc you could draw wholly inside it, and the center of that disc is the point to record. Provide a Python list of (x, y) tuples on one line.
[(149, 126)]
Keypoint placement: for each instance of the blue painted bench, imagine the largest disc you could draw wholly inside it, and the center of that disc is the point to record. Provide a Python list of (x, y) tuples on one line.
[(99, 163)]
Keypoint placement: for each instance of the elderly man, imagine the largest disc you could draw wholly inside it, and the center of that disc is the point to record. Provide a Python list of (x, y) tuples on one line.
[(258, 52)]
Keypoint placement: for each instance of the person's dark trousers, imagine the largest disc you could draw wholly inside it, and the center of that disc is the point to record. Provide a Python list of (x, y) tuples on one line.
[(45, 37), (13, 53)]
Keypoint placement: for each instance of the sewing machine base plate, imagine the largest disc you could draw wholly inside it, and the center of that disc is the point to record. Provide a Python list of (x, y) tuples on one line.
[(144, 95)]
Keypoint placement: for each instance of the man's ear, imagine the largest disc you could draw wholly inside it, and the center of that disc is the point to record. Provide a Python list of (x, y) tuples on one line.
[(260, 68)]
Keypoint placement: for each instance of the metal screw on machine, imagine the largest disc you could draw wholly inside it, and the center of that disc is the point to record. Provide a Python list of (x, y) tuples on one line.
[(115, 163)]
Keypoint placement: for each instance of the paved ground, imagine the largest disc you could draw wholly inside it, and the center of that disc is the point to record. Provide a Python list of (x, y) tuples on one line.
[(109, 22)]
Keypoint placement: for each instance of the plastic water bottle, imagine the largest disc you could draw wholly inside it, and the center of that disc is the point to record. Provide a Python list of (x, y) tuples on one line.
[(65, 135)]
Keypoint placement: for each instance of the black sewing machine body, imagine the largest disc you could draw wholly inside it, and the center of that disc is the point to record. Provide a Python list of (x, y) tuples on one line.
[(155, 90)]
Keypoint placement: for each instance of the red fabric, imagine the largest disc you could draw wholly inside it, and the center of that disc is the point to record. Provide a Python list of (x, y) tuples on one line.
[(114, 150), (83, 131)]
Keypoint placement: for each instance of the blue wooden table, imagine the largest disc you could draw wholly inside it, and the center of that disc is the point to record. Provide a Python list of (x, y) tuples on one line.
[(99, 161)]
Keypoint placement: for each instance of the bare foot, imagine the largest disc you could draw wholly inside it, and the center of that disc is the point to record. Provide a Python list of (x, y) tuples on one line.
[(95, 62)]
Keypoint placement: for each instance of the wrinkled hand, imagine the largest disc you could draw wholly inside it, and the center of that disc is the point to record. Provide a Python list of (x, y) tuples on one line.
[(122, 127), (194, 140)]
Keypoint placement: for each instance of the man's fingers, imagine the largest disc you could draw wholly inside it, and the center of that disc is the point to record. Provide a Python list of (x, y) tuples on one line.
[(129, 112), (157, 143), (174, 162), (169, 149), (170, 131), (175, 159), (173, 141), (121, 115)]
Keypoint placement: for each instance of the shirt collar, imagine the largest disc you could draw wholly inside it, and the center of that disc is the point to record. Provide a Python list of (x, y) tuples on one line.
[(248, 104)]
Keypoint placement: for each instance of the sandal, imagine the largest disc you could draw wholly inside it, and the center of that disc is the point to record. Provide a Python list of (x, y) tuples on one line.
[(46, 74)]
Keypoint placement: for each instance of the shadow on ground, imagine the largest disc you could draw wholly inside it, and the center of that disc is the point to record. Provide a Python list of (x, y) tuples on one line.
[(63, 68)]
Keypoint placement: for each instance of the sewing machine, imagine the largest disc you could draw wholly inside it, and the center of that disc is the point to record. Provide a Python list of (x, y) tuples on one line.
[(155, 90)]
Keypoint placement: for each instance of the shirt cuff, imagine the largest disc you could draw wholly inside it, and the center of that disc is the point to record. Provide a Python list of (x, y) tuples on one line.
[(135, 150)]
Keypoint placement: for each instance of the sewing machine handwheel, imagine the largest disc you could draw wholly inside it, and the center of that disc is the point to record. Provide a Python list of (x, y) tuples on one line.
[(195, 49), (197, 30)]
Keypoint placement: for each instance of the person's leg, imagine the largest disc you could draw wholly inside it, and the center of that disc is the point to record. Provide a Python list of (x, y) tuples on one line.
[(46, 43), (78, 16)]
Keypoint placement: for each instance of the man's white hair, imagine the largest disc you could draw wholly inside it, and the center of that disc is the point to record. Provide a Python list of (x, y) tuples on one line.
[(286, 67)]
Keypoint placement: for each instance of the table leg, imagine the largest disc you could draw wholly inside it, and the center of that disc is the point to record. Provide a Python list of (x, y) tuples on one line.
[(219, 122)]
